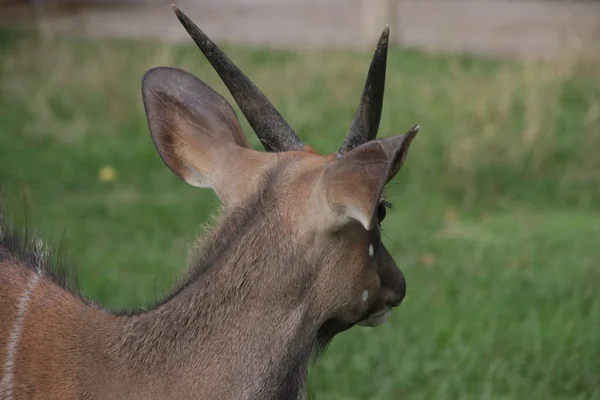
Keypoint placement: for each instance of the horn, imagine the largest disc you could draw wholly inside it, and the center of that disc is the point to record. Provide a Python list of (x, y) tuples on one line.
[(366, 120), (270, 127)]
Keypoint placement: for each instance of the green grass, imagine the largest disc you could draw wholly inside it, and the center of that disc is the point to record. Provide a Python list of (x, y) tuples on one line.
[(496, 219)]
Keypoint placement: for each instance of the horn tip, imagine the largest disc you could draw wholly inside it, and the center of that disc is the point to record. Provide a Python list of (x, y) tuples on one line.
[(178, 12), (385, 35), (414, 130)]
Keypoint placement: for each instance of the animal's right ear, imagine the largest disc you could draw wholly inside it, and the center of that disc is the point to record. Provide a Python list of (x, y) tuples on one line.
[(197, 133)]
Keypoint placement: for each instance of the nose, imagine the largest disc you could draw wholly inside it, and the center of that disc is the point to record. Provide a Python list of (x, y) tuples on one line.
[(393, 283), (397, 291)]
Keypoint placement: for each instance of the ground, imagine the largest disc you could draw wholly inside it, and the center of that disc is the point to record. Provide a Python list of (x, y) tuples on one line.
[(495, 219)]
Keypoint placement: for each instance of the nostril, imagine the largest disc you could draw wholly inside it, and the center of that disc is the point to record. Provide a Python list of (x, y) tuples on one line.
[(398, 293)]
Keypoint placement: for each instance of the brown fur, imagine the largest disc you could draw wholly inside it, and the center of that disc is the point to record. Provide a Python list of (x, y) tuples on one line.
[(59, 324), (295, 258), (257, 299)]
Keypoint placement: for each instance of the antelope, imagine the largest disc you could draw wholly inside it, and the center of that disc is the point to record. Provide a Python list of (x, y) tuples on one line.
[(294, 258)]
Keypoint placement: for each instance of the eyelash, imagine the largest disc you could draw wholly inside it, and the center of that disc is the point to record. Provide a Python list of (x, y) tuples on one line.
[(381, 212)]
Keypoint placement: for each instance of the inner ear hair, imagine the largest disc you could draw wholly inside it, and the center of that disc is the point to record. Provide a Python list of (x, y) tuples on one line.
[(197, 133)]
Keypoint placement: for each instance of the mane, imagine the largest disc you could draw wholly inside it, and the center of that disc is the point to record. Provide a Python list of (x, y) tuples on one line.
[(20, 246)]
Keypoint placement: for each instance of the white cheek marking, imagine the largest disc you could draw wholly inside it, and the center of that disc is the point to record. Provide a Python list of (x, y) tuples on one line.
[(365, 296), (371, 250)]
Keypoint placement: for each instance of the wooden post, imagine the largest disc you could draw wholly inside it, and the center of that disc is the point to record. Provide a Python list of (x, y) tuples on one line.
[(375, 14)]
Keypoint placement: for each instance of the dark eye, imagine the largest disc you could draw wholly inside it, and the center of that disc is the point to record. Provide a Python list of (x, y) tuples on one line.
[(382, 210)]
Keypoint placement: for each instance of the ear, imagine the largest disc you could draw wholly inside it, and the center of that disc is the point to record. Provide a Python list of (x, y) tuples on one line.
[(197, 133), (353, 185)]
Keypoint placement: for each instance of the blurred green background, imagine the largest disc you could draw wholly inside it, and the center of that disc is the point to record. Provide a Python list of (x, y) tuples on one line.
[(496, 218)]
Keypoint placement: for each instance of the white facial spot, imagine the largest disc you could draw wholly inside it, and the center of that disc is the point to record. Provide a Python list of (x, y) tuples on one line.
[(371, 250), (365, 295)]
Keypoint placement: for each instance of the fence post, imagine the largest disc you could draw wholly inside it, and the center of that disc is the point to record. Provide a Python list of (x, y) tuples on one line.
[(375, 14)]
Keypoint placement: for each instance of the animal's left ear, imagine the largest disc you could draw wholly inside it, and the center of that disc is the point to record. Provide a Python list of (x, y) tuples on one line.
[(353, 185)]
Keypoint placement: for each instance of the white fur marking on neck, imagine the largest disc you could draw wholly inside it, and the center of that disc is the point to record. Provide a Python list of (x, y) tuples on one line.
[(6, 384), (41, 253), (365, 296), (371, 250)]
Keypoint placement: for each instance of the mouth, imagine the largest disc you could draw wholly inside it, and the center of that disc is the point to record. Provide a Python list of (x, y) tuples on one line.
[(376, 318)]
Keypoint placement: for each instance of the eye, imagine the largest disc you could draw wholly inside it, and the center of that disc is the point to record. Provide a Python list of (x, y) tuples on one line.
[(382, 210)]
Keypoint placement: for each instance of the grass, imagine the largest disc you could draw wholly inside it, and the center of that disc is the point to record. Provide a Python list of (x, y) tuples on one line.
[(496, 219)]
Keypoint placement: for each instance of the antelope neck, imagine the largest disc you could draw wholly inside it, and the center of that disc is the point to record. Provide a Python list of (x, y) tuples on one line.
[(243, 313), (256, 349)]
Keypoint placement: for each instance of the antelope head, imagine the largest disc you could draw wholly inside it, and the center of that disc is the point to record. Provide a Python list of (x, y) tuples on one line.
[(321, 215)]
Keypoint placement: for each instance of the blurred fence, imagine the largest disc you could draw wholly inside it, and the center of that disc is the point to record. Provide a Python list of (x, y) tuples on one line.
[(493, 27)]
